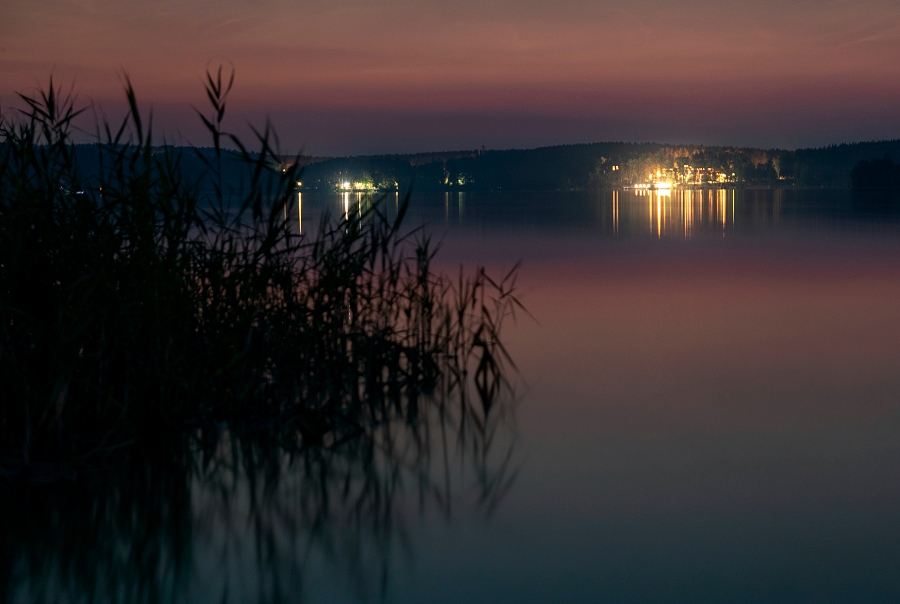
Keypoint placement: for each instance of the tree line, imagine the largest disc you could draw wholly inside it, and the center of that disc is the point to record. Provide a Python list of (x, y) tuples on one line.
[(563, 167), (595, 165)]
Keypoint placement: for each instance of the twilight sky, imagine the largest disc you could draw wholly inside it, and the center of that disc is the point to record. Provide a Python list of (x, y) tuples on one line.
[(363, 76)]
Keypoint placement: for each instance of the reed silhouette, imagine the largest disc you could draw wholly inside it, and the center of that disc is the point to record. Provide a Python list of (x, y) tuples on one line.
[(136, 302)]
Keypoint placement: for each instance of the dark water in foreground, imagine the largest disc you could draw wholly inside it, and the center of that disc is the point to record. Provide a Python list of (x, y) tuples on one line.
[(708, 411)]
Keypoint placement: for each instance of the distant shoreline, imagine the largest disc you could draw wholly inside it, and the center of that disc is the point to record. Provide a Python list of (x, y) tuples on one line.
[(595, 165)]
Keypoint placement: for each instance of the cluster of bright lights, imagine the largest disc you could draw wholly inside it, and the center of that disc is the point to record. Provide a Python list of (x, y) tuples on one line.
[(671, 178), (356, 186), (653, 185)]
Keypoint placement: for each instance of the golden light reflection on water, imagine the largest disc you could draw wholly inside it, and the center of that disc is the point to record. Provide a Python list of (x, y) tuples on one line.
[(668, 212), (615, 211), (720, 204)]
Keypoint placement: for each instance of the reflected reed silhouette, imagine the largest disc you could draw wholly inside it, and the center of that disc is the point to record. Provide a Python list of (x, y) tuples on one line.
[(200, 401), (240, 513)]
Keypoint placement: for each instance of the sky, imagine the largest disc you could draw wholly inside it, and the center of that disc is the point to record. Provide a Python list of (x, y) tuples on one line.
[(371, 76)]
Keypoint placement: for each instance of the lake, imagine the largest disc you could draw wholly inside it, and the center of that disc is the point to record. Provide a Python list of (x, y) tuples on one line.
[(706, 409)]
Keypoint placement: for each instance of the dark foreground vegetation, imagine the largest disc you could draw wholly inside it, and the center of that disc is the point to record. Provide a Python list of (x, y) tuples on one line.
[(139, 304)]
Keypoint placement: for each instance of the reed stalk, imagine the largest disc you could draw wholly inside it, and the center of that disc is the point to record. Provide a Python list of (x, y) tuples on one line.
[(138, 302)]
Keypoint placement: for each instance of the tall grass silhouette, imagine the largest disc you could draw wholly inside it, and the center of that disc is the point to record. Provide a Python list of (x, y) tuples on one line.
[(137, 302)]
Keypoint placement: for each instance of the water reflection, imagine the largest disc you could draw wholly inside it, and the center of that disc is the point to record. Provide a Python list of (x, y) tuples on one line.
[(678, 212), (658, 213), (359, 203), (615, 211), (248, 514), (664, 214), (724, 212)]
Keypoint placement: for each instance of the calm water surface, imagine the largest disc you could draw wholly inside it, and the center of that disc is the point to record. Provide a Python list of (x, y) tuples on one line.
[(708, 410), (711, 408)]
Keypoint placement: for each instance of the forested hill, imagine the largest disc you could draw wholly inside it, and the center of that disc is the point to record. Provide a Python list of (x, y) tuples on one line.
[(541, 169), (568, 167), (563, 167), (832, 166)]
